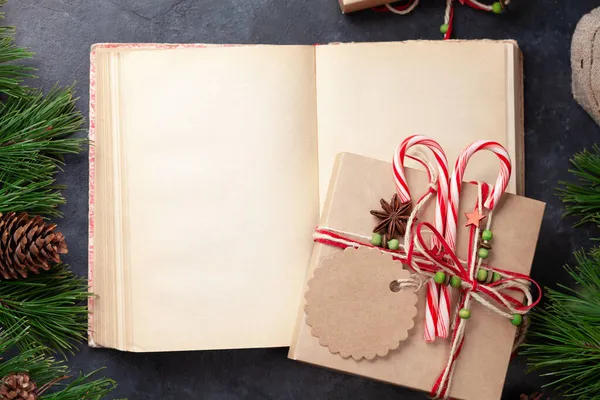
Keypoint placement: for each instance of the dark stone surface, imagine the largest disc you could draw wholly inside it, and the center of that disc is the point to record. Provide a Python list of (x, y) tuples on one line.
[(61, 32)]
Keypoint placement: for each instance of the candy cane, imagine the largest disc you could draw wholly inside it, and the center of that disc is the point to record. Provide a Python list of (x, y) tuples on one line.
[(443, 319), (452, 212), (442, 176), (457, 178), (442, 385), (437, 309), (431, 311)]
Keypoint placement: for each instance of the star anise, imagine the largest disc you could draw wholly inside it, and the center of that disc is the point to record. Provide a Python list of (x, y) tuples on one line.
[(393, 217)]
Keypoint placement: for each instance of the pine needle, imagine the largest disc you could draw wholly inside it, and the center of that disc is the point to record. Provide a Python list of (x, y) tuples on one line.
[(34, 138), (33, 141), (45, 370), (52, 305), (12, 73), (582, 199), (565, 336), (47, 309)]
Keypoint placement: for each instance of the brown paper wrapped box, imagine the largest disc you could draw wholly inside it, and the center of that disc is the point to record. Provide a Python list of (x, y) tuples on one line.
[(356, 186), (356, 5)]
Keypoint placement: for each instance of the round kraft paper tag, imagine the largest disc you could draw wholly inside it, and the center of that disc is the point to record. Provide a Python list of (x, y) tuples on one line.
[(352, 308)]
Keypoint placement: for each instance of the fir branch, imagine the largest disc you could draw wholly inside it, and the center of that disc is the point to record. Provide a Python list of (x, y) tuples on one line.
[(582, 199), (565, 336), (40, 197), (48, 308), (33, 141), (12, 73), (37, 126), (83, 388), (46, 371), (51, 304)]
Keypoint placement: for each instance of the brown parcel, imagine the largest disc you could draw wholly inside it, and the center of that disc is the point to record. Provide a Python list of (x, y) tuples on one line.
[(357, 184), (356, 5)]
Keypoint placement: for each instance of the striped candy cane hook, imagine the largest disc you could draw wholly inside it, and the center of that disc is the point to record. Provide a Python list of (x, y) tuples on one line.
[(457, 179), (442, 384), (437, 310), (442, 174)]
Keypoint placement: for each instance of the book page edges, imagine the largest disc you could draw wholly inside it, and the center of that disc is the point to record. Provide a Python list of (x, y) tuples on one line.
[(107, 236), (519, 95), (91, 196), (515, 131)]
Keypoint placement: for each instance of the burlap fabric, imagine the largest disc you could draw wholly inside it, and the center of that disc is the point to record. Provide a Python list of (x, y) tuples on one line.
[(585, 63)]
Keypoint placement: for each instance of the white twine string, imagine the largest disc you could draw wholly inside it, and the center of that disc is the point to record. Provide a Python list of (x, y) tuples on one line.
[(403, 12), (448, 11), (485, 7)]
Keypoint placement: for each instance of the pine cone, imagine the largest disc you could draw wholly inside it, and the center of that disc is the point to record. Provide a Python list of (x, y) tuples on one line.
[(28, 245), (18, 387)]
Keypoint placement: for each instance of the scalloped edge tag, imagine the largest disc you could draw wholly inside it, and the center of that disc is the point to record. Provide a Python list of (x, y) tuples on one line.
[(351, 307)]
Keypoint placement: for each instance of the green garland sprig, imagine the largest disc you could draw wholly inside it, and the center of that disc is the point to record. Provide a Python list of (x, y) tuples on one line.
[(34, 137), (582, 198), (12, 74), (564, 339), (47, 371), (52, 306), (565, 335), (47, 312)]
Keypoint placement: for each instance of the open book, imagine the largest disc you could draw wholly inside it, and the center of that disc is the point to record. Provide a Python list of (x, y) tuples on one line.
[(208, 165)]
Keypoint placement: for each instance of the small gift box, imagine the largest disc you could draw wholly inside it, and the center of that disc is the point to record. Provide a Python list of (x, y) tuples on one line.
[(356, 5), (360, 314)]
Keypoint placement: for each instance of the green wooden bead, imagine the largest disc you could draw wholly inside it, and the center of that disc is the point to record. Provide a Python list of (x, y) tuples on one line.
[(483, 253), (482, 274), (376, 239), (517, 319), (444, 28), (455, 282), (439, 277), (496, 277), (497, 8), (464, 313), (394, 244), (487, 235)]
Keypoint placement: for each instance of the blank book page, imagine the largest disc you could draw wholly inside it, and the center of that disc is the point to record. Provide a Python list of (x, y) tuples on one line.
[(222, 186)]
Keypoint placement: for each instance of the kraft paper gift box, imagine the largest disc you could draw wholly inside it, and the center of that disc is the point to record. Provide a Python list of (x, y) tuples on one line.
[(356, 5), (356, 187)]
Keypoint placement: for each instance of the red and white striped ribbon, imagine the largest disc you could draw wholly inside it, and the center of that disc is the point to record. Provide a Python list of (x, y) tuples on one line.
[(437, 309)]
